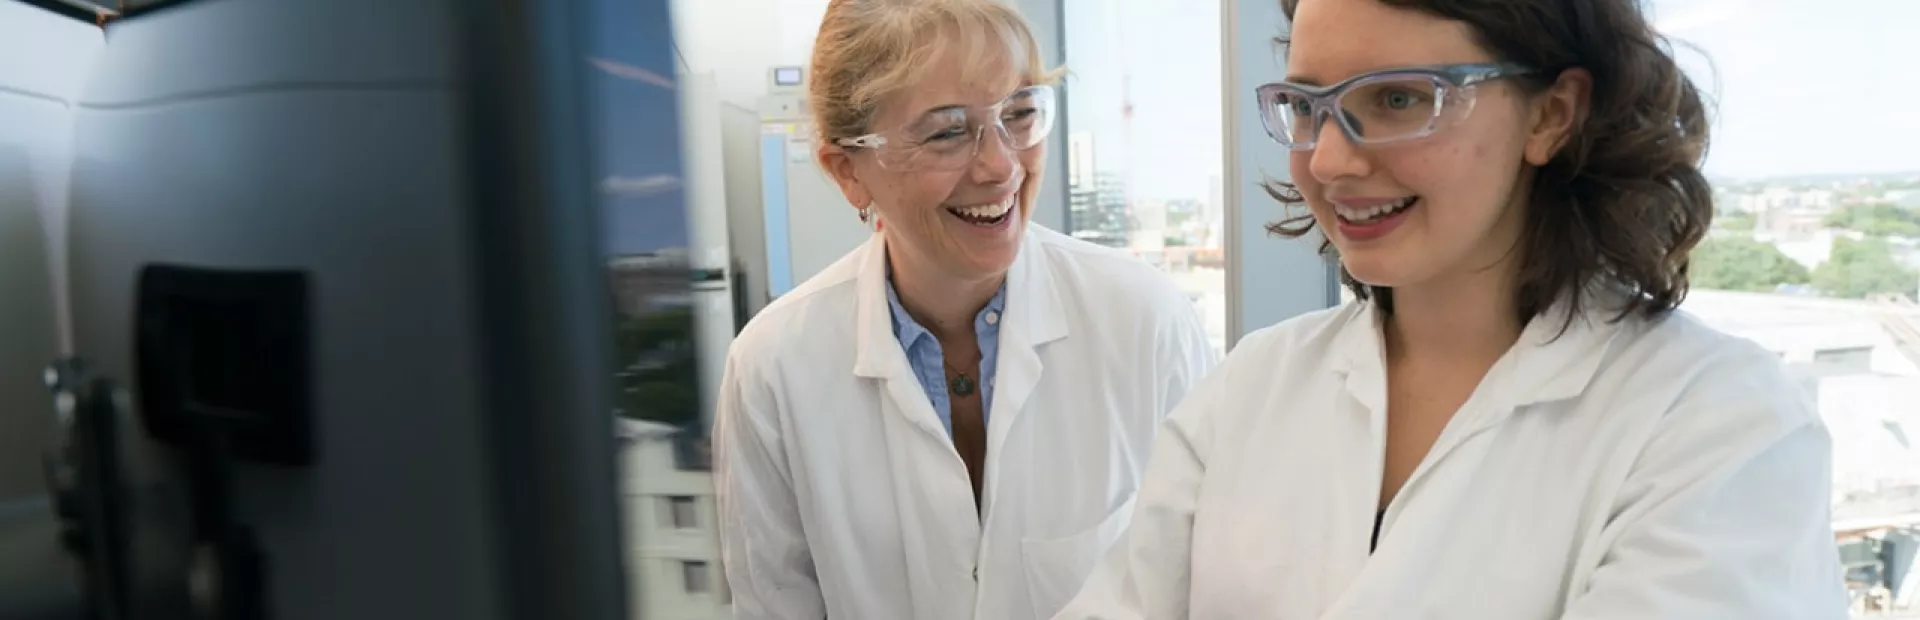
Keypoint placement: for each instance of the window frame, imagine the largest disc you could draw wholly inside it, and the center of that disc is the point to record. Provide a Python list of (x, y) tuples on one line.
[(1292, 278), (1049, 32), (696, 571), (675, 504)]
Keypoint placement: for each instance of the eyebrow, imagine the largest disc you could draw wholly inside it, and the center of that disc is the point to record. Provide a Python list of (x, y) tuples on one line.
[(1305, 81), (933, 113), (1024, 85)]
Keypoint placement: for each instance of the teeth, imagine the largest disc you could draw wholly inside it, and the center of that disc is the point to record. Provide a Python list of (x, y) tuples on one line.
[(987, 212), (1361, 215)]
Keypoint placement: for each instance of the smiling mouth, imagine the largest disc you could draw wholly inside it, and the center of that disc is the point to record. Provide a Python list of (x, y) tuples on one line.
[(1375, 213), (987, 214)]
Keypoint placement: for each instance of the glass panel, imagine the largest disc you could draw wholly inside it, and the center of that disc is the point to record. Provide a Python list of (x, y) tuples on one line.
[(1144, 139), (1815, 252), (657, 287)]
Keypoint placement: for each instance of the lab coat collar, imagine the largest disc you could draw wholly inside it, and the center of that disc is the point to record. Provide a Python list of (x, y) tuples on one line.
[(1544, 365), (1034, 313), (1558, 364)]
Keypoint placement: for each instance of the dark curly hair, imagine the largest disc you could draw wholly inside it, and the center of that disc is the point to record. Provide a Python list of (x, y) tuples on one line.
[(1627, 199)]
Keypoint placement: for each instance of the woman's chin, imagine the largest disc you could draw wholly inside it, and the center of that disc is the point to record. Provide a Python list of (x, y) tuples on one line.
[(974, 262), (1373, 272), (992, 265)]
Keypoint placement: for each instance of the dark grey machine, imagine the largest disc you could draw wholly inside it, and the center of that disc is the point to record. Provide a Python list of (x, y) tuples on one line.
[(334, 278)]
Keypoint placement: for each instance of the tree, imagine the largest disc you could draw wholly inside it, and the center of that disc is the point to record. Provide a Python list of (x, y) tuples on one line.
[(1879, 219), (1736, 221), (1743, 264), (1857, 269), (657, 376)]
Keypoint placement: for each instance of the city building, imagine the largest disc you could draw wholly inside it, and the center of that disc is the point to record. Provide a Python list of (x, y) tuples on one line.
[(1096, 199), (672, 533)]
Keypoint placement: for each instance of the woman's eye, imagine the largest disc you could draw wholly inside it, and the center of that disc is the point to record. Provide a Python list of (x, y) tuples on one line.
[(1300, 106), (1399, 99), (951, 133)]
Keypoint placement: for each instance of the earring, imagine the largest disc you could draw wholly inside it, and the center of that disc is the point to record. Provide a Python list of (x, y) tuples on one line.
[(866, 215)]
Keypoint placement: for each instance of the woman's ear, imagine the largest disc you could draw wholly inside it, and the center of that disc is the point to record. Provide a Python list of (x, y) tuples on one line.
[(839, 164), (1557, 113)]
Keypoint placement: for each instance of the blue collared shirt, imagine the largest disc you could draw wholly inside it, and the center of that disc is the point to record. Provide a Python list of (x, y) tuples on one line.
[(928, 361)]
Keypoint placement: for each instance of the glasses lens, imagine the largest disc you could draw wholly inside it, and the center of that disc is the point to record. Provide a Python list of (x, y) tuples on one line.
[(1289, 117), (1391, 108), (935, 137), (1028, 117), (1382, 109), (949, 139)]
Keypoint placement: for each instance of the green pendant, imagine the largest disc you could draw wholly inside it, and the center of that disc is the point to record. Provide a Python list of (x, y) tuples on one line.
[(961, 386)]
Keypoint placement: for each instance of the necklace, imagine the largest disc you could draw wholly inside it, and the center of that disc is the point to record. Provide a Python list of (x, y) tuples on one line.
[(961, 385)]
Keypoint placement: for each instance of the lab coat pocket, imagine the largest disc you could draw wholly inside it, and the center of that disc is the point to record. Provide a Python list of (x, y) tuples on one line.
[(1058, 567)]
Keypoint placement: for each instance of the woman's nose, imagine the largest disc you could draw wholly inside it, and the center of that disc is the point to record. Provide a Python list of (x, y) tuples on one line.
[(1334, 156), (993, 160)]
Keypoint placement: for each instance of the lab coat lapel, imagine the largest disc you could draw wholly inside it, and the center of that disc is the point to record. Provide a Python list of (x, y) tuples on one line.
[(1034, 316), (1360, 363), (934, 498), (878, 354), (1544, 365)]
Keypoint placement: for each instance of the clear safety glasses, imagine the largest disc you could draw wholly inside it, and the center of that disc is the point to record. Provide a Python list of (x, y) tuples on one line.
[(949, 138), (1382, 107)]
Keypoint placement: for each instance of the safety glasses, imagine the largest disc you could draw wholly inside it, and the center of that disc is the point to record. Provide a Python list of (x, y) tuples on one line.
[(1381, 107)]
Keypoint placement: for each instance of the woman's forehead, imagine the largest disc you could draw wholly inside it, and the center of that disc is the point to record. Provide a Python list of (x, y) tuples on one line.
[(975, 73), (1330, 41)]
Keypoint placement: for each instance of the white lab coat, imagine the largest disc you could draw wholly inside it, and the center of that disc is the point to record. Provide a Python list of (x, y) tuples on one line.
[(840, 493), (1644, 470)]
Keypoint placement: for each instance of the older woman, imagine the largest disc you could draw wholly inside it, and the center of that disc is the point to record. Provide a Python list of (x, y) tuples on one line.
[(951, 421)]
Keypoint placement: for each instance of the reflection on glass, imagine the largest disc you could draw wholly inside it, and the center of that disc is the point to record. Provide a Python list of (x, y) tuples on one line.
[(666, 487), (1144, 139)]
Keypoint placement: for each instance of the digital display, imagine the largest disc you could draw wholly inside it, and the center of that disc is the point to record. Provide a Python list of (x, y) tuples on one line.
[(786, 76)]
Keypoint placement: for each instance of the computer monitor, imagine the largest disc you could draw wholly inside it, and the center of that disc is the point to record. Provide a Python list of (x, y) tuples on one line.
[(339, 298)]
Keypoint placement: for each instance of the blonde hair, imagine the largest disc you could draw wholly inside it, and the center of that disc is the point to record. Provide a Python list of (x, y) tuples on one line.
[(868, 50)]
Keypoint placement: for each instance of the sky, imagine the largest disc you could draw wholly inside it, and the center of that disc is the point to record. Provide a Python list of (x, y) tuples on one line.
[(632, 93), (1802, 87)]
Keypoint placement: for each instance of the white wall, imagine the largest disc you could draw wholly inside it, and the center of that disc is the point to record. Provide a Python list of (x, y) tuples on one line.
[(43, 63), (42, 60), (739, 40)]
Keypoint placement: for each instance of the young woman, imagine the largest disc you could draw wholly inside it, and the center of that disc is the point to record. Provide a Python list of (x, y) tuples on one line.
[(1512, 421), (951, 422)]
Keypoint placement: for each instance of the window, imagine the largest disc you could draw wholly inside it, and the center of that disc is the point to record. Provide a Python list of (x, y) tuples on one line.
[(1143, 139), (692, 449), (1268, 279), (680, 512), (1814, 247), (698, 579)]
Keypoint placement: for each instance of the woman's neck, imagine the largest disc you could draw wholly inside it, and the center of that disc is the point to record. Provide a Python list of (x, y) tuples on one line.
[(1471, 319), (941, 302)]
